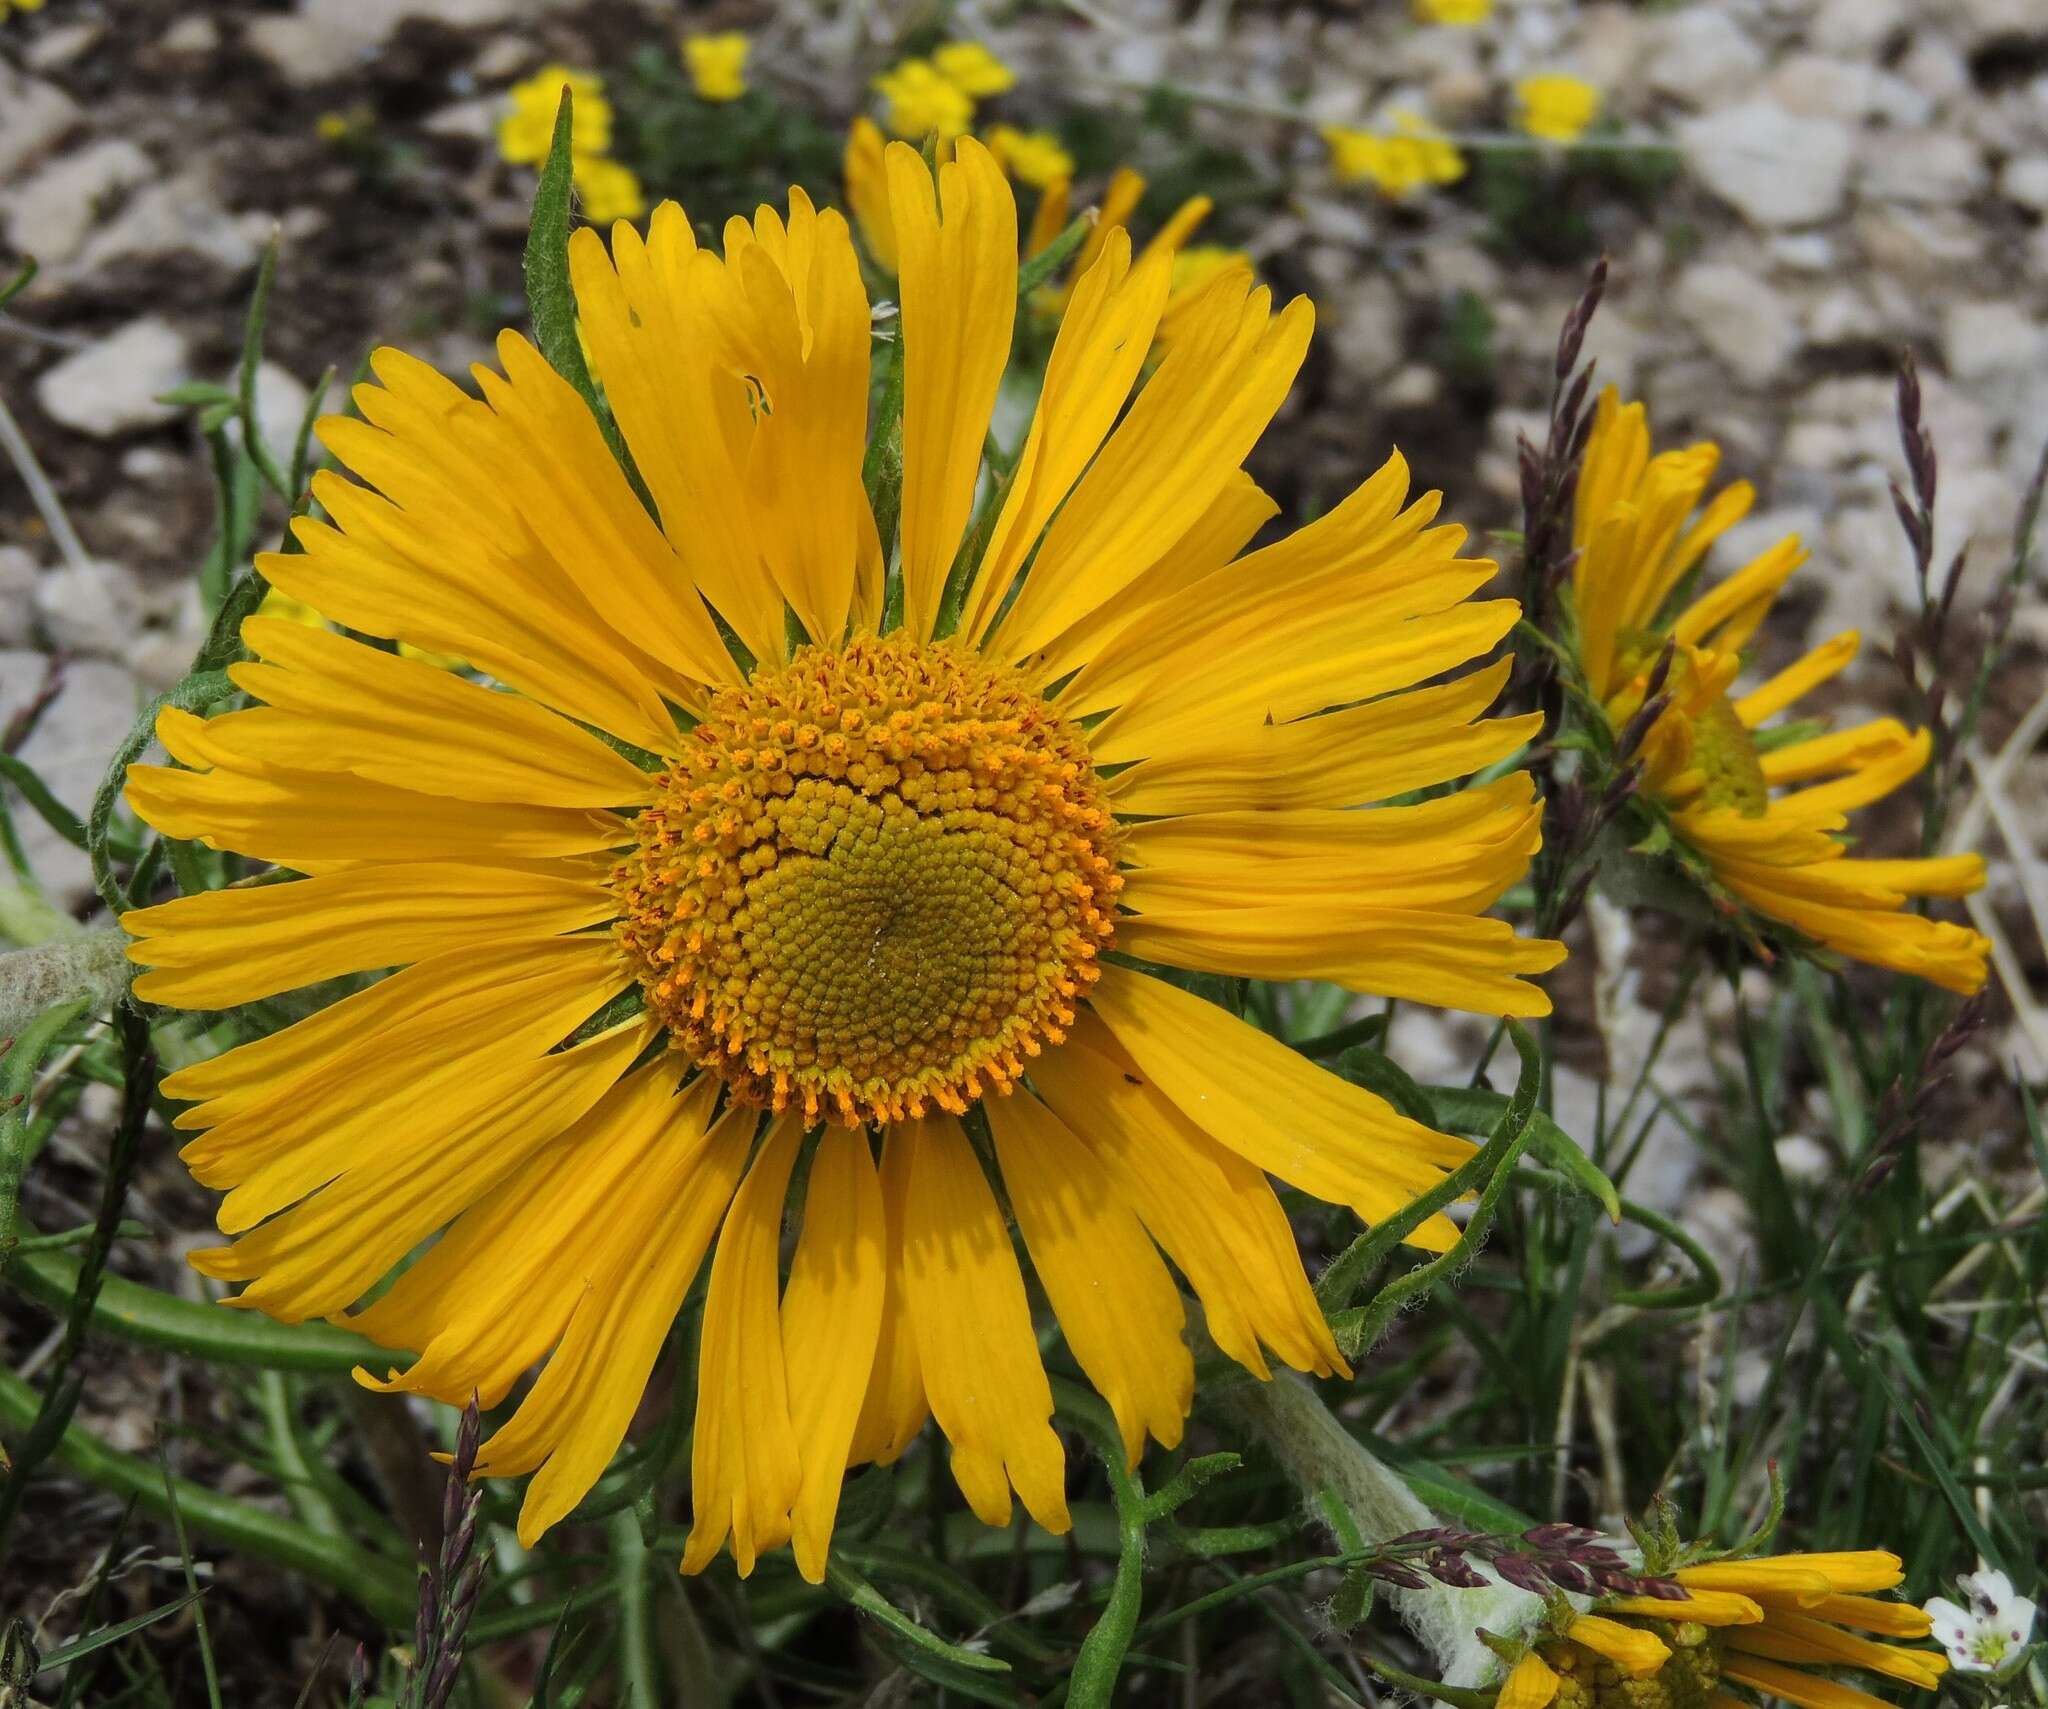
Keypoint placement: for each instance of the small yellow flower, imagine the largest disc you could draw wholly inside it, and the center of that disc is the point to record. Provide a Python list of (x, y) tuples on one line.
[(1412, 158), (920, 100), (19, 6), (609, 191), (1030, 157), (717, 65), (526, 131), (972, 69), (332, 127), (1556, 107), (1461, 12)]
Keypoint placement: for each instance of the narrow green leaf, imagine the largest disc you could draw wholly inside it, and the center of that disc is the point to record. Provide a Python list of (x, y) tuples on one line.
[(1473, 1109), (197, 692), (112, 1634), (877, 1607), (549, 299), (1053, 256), (37, 794), (20, 282), (254, 446)]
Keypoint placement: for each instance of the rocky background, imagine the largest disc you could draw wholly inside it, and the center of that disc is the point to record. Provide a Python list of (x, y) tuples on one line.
[(1792, 193)]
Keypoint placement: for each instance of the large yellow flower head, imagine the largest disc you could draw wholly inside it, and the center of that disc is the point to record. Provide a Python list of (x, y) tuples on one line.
[(761, 835), (1759, 1623), (1745, 802)]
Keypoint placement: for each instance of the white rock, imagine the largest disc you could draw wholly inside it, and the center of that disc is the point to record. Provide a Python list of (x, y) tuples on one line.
[(17, 596), (50, 213), (1856, 26), (1804, 251), (1934, 168), (91, 607), (63, 44), (1369, 335), (502, 57), (1936, 67), (1986, 20), (325, 38), (1981, 339), (177, 216), (2025, 181), (1775, 168), (1739, 317), (69, 749), (1844, 315), (476, 119), (33, 114), (1703, 56), (111, 386), (1805, 1160), (1415, 386), (193, 34), (1815, 85)]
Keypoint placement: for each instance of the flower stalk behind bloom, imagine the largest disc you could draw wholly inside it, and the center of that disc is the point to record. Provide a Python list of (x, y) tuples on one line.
[(1761, 816)]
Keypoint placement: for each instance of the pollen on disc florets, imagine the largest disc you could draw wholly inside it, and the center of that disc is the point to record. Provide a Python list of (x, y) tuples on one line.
[(876, 880)]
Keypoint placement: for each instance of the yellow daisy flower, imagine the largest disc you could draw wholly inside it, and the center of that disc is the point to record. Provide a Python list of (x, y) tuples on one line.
[(607, 190), (972, 69), (717, 65), (868, 881), (525, 133), (921, 100), (1412, 157), (1031, 157), (1750, 1623), (1708, 759), (1556, 107), (1464, 13)]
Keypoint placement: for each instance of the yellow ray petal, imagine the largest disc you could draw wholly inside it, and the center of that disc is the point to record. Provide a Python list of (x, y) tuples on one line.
[(1179, 714), (1308, 1126), (1776, 693), (684, 418), (1191, 427), (1349, 543), (313, 823), (1790, 1637), (831, 1319), (1343, 759), (409, 724), (959, 294), (492, 1295), (1707, 1607), (1633, 1650), (326, 1251), (1211, 1210), (1531, 1684), (1809, 1690), (216, 948), (992, 1400), (867, 190), (745, 1470), (1116, 1304), (1451, 960), (1096, 356), (572, 494), (894, 1410), (975, 1344)]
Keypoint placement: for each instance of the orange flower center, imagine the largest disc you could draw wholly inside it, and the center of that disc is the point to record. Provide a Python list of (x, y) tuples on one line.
[(876, 879)]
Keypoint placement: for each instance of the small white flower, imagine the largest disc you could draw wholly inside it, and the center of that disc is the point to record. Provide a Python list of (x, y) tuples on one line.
[(1990, 1634)]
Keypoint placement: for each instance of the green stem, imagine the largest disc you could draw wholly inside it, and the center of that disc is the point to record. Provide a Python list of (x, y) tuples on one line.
[(380, 1586)]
